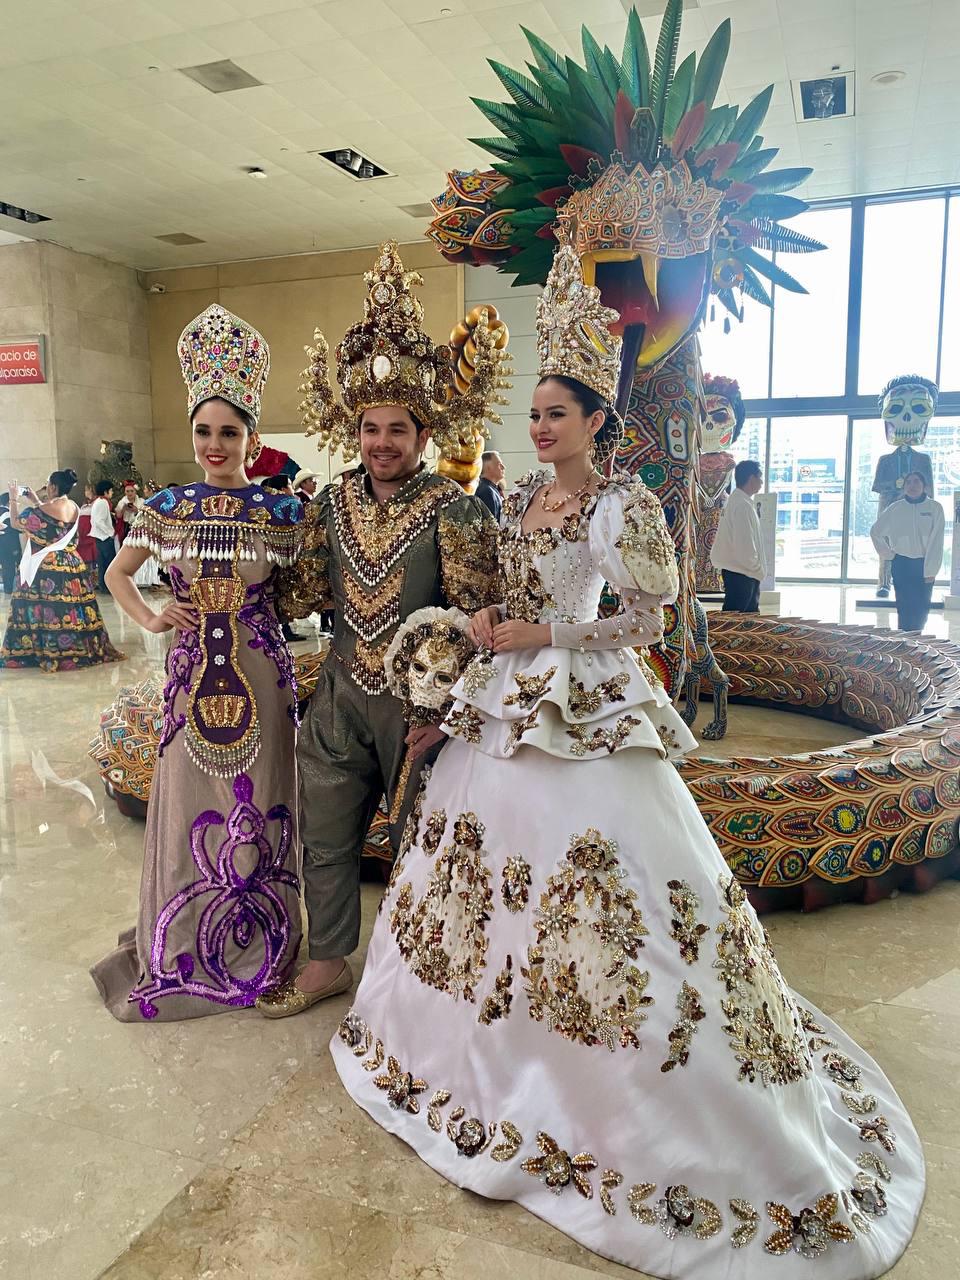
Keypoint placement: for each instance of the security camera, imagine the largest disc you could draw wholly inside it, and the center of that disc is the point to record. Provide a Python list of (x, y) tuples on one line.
[(157, 288)]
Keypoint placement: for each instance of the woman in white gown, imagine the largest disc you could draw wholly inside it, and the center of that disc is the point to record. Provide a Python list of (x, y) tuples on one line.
[(567, 1000)]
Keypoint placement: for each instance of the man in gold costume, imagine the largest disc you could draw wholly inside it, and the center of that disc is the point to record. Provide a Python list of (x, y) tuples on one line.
[(392, 538)]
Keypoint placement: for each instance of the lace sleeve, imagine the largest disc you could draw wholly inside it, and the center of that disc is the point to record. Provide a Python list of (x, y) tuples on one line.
[(637, 623)]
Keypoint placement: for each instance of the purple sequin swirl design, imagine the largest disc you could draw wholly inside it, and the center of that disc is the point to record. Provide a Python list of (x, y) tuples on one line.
[(236, 907), (259, 615), (182, 660)]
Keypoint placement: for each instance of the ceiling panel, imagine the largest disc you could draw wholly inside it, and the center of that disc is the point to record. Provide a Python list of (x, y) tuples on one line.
[(106, 137)]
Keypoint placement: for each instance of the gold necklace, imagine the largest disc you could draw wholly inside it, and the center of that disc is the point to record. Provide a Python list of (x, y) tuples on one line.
[(552, 507)]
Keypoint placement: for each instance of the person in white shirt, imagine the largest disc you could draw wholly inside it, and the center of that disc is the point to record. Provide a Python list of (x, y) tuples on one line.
[(102, 530), (738, 547), (910, 534)]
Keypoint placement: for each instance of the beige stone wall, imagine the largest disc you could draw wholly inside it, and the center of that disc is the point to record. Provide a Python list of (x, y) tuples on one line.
[(286, 299), (28, 446), (94, 317)]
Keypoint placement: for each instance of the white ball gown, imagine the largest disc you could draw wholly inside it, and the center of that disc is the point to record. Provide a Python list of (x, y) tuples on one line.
[(568, 1001)]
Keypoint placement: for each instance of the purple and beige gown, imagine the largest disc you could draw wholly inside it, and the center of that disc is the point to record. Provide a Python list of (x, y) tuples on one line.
[(568, 1001), (219, 918)]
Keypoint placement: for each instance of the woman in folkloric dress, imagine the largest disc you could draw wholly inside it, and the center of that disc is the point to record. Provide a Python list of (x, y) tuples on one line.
[(219, 919), (54, 621), (568, 1001)]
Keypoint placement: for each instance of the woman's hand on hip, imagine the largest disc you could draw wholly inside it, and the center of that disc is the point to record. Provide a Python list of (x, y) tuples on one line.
[(508, 637), (183, 617)]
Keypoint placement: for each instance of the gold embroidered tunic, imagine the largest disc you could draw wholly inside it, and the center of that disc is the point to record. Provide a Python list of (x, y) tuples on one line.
[(374, 564)]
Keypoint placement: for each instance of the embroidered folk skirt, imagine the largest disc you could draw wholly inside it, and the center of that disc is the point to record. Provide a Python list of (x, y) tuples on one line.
[(569, 1003)]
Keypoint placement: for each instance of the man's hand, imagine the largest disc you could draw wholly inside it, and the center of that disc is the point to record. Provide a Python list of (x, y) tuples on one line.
[(508, 637), (422, 739)]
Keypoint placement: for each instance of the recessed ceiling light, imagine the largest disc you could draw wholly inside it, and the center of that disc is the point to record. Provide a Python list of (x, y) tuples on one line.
[(151, 68), (883, 78), (445, 13), (254, 171)]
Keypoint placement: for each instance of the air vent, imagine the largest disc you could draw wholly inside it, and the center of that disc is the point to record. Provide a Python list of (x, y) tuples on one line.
[(21, 215), (221, 77), (179, 237), (418, 210), (826, 98), (352, 163)]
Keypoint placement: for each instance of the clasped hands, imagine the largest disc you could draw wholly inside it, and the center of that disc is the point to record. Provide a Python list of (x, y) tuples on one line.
[(488, 632)]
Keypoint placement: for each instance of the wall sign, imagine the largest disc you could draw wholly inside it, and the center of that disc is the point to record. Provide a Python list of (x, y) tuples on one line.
[(22, 363)]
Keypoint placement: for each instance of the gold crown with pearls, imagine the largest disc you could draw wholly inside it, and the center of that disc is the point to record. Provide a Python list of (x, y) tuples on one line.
[(573, 329), (387, 358), (221, 355)]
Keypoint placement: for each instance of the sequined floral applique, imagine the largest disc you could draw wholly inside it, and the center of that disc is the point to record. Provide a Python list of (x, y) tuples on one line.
[(586, 702), (515, 884), (676, 1213), (442, 937), (763, 1025), (579, 978), (668, 738), (479, 673), (610, 1179), (521, 727), (530, 689), (876, 1130), (355, 1034), (433, 831), (681, 1035), (559, 1170), (749, 1220), (401, 1087), (601, 739), (809, 1232), (466, 723), (496, 1007), (685, 930)]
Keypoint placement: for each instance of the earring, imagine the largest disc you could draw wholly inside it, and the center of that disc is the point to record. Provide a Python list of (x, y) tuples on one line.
[(592, 451)]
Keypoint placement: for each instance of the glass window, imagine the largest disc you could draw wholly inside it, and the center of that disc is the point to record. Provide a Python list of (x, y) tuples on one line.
[(950, 347), (869, 445), (752, 442), (900, 308), (810, 330), (744, 352), (807, 470)]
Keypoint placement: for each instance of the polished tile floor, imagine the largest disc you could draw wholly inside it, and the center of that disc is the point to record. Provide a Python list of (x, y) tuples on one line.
[(224, 1147)]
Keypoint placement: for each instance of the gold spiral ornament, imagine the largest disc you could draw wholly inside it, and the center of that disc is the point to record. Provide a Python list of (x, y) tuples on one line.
[(462, 461)]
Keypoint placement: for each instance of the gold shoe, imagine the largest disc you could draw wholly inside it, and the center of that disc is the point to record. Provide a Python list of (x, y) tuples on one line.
[(287, 999)]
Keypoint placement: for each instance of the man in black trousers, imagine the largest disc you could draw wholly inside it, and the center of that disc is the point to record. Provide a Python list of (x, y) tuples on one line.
[(738, 547)]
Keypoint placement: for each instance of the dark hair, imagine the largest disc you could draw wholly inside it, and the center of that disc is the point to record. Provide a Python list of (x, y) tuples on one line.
[(418, 426), (63, 481), (102, 487), (745, 470), (245, 416), (607, 440), (275, 483), (919, 475)]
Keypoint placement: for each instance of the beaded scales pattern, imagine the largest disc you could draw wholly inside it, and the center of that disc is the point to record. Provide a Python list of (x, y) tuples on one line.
[(573, 329), (221, 355), (387, 358)]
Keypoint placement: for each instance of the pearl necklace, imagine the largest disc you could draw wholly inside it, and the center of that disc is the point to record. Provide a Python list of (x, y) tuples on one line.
[(552, 507)]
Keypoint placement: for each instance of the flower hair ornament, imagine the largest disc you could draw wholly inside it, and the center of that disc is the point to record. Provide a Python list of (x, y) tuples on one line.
[(387, 358)]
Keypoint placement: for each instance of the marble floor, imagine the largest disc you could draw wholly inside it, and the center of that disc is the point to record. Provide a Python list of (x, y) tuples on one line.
[(225, 1148)]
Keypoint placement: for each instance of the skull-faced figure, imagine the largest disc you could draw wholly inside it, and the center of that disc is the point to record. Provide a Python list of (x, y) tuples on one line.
[(721, 421), (906, 405)]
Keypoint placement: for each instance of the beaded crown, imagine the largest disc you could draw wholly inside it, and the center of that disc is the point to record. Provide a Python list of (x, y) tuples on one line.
[(222, 355), (387, 358), (573, 329)]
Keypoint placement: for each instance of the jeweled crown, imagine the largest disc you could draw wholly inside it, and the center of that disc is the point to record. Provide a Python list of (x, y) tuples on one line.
[(221, 355), (573, 329), (387, 358)]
